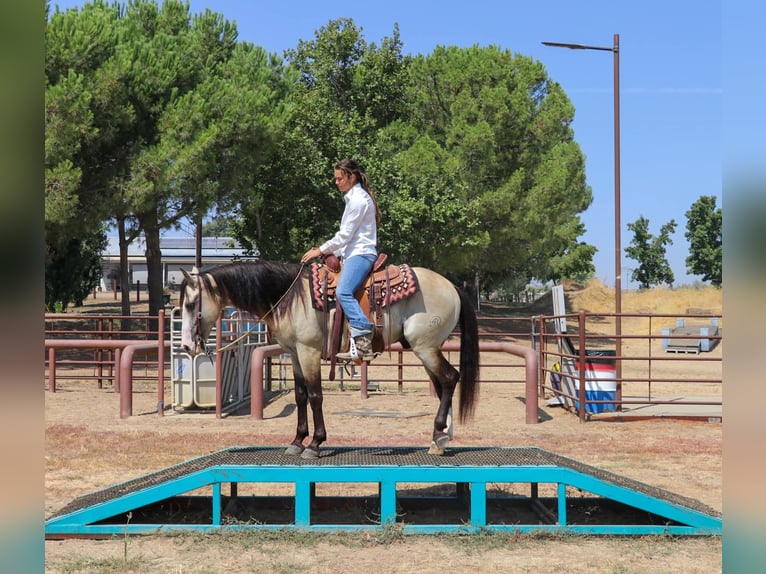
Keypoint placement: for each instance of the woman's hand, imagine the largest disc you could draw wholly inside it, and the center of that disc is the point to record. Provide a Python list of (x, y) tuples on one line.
[(311, 254)]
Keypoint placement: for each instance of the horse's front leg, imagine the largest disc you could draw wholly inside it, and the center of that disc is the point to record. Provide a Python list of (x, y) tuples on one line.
[(302, 429), (308, 391), (320, 434)]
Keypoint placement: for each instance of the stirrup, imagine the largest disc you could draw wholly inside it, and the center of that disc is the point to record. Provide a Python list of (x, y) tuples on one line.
[(352, 354)]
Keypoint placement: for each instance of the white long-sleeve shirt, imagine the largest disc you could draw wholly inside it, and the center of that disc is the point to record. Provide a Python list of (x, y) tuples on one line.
[(358, 233)]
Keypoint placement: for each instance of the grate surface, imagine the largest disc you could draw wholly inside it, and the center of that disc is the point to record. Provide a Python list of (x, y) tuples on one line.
[(374, 457)]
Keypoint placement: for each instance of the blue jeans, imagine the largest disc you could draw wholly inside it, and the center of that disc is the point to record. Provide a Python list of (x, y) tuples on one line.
[(355, 271)]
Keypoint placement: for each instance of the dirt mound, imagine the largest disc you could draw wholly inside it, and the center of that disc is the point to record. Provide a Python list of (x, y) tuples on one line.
[(596, 297)]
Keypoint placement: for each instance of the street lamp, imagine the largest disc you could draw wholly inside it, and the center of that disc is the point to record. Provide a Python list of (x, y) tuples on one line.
[(615, 49)]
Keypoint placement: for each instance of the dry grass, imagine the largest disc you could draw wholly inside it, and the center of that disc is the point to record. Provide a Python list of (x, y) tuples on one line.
[(595, 297)]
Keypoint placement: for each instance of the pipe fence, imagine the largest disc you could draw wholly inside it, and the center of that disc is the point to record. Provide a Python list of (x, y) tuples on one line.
[(662, 358)]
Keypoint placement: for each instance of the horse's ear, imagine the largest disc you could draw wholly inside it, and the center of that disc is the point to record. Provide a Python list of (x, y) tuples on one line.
[(188, 276)]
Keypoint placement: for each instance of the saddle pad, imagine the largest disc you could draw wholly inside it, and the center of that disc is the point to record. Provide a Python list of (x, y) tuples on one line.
[(402, 283), (321, 278)]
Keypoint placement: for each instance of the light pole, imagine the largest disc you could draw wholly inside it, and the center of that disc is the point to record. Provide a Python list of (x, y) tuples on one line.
[(615, 50)]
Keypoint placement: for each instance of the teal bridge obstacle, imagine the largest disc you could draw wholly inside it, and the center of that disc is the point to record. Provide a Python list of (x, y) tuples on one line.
[(469, 489)]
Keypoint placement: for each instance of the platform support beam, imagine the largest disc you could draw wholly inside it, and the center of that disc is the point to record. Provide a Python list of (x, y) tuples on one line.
[(562, 504), (303, 503), (216, 503), (478, 503), (387, 502)]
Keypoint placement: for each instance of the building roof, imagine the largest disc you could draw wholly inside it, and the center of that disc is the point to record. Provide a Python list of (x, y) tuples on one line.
[(182, 248)]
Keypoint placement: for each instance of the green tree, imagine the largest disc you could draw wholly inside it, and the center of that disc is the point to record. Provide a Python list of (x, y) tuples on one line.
[(704, 233), (649, 252), (155, 116), (343, 91), (171, 110), (490, 145), (74, 206), (73, 269)]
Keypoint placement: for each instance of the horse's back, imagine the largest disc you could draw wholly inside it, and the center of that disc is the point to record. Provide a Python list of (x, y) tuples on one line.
[(440, 293), (429, 317)]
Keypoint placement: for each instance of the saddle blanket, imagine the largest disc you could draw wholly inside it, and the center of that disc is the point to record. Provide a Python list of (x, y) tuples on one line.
[(392, 284)]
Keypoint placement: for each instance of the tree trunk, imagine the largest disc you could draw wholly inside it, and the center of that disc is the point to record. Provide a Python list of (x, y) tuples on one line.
[(153, 267), (198, 244), (124, 277)]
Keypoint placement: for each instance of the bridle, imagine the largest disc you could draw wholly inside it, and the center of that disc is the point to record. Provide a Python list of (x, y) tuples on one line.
[(197, 336)]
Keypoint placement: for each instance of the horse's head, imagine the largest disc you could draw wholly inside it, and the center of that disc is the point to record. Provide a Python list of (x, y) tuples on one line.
[(199, 311)]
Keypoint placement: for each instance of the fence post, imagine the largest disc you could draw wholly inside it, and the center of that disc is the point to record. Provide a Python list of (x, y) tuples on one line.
[(581, 359), (161, 363), (52, 369), (218, 367)]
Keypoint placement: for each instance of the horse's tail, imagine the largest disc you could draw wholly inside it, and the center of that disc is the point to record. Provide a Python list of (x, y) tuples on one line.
[(469, 358)]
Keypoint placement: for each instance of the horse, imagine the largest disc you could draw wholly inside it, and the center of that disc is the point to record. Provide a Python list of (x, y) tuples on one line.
[(279, 294)]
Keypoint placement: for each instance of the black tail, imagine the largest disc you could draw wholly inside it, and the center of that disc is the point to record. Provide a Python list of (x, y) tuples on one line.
[(469, 358)]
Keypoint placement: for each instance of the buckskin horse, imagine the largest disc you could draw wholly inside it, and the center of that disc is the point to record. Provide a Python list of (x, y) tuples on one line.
[(281, 295)]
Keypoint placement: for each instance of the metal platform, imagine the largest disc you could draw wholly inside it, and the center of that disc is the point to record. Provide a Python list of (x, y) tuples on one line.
[(692, 339), (467, 490)]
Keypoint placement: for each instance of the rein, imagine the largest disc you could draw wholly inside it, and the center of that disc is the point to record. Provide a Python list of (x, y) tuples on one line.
[(275, 305), (198, 331), (235, 341)]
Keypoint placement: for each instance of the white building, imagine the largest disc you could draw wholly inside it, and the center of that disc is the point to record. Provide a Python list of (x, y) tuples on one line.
[(177, 253)]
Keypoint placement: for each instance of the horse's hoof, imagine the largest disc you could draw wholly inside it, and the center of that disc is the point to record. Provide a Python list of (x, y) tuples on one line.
[(310, 454), (294, 450), (442, 440), (435, 449)]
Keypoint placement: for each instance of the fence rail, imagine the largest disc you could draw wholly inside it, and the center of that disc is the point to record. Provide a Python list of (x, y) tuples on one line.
[(640, 371), (644, 372)]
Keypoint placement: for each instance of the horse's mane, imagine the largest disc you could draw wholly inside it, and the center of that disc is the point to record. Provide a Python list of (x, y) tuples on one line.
[(259, 287)]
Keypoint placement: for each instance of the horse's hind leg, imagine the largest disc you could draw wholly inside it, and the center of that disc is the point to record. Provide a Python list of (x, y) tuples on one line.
[(444, 377)]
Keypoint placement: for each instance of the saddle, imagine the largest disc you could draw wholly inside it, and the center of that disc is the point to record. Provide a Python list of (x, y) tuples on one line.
[(385, 285)]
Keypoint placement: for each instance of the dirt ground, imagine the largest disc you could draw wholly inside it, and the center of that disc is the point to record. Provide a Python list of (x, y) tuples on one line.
[(88, 448)]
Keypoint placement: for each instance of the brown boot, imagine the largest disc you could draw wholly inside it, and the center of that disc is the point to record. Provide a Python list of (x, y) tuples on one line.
[(360, 349)]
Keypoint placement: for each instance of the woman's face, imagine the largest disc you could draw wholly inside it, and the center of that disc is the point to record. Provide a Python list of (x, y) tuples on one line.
[(344, 181)]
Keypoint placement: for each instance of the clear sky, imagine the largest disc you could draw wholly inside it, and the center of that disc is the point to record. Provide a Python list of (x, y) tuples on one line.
[(670, 87)]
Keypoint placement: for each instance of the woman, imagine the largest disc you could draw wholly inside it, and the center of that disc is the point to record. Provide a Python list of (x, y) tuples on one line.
[(356, 244)]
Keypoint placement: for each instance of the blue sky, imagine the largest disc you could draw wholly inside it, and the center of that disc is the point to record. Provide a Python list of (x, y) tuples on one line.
[(670, 88)]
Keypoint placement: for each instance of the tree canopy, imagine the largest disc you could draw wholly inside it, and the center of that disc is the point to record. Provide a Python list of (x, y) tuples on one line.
[(704, 231), (148, 109), (155, 115), (650, 253)]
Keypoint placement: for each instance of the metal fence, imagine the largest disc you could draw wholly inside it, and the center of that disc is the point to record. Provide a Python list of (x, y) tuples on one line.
[(662, 365)]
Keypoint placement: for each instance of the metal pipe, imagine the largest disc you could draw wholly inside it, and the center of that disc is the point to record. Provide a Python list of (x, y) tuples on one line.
[(52, 369), (125, 372), (615, 50), (617, 220), (161, 364), (256, 377), (218, 367), (581, 358), (530, 364)]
